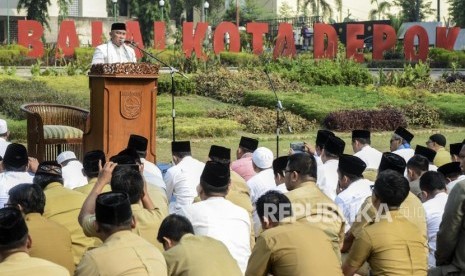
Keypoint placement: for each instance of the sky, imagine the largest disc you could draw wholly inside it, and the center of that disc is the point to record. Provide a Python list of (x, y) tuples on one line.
[(359, 9)]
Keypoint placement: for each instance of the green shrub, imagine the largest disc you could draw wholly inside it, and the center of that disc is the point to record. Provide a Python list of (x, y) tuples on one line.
[(446, 57), (83, 55), (197, 127), (239, 59), (184, 86), (449, 106), (421, 115), (410, 76), (262, 120), (383, 119), (10, 57), (18, 130), (406, 93)]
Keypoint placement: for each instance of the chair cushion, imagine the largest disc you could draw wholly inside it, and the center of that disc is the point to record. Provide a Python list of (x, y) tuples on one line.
[(61, 132)]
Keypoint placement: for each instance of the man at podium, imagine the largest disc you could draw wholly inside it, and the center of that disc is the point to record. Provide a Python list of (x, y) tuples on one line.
[(115, 51)]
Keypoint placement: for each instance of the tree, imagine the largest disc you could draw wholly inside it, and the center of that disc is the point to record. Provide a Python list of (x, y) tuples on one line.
[(414, 10), (317, 5), (382, 9), (286, 11), (147, 12), (457, 11), (36, 10), (63, 9), (249, 12)]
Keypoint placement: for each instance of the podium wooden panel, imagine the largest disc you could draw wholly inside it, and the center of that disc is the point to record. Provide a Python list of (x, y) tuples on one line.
[(122, 102)]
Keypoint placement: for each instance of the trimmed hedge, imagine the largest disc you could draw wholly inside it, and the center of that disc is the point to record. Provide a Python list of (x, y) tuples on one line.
[(198, 127), (239, 59), (347, 120), (448, 58)]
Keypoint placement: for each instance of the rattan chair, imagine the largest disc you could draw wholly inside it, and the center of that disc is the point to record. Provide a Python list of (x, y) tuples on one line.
[(54, 128)]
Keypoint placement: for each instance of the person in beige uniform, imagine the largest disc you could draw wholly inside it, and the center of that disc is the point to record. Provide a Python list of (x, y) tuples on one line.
[(310, 205), (128, 179), (63, 205), (411, 207), (287, 249), (390, 244), (14, 245), (123, 252), (52, 241), (92, 162), (187, 254)]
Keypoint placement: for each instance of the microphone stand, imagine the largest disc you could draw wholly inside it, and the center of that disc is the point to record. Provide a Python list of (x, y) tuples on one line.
[(173, 71), (279, 107)]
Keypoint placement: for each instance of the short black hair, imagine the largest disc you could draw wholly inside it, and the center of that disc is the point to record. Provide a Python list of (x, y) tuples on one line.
[(174, 227), (418, 163), (210, 189), (352, 177), (16, 244), (31, 197), (127, 180), (303, 163), (110, 228), (363, 141), (277, 206), (182, 154), (10, 168), (44, 179), (391, 188), (431, 181)]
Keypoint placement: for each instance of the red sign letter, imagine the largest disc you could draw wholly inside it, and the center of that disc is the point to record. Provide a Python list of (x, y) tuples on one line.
[(159, 35), (353, 43), (384, 38), (133, 34), (423, 43), (257, 30), (193, 41), (67, 39), (97, 33), (29, 34), (446, 39), (234, 37), (285, 45), (319, 49)]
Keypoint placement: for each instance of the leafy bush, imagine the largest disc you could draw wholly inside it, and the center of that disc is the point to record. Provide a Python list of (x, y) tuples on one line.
[(197, 127), (406, 93), (18, 92), (383, 119), (421, 115), (411, 75), (447, 57), (184, 86), (262, 120), (442, 86), (83, 55), (239, 59)]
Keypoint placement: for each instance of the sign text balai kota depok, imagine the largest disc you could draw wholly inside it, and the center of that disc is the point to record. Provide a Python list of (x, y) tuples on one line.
[(324, 39)]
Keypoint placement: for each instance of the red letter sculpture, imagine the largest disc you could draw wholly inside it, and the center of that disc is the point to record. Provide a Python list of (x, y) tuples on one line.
[(423, 43), (29, 34), (319, 49), (234, 37), (257, 30)]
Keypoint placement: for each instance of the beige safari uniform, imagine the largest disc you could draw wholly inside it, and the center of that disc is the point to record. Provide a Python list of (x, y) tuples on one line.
[(123, 253), (200, 256), (50, 241), (63, 206), (310, 205), (86, 189), (391, 246), (20, 264), (293, 249), (159, 199), (411, 208)]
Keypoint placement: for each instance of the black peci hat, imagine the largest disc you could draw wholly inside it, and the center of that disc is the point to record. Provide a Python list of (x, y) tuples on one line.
[(392, 161), (335, 145), (112, 208), (361, 133), (15, 155), (181, 146), (137, 142), (455, 148), (216, 174), (280, 163), (322, 136), (220, 152), (118, 27), (450, 168), (404, 133), (91, 160), (426, 152), (351, 164), (248, 143)]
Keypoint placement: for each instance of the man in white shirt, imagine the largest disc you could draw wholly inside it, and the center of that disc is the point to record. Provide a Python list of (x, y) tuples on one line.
[(71, 170), (361, 140), (452, 173), (434, 197), (354, 189), (320, 141), (4, 133), (182, 178), (327, 174), (217, 217), (429, 154), (16, 170), (262, 182), (400, 143), (115, 51), (152, 174)]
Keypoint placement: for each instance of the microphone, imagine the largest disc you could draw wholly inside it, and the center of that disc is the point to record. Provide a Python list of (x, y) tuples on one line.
[(129, 42)]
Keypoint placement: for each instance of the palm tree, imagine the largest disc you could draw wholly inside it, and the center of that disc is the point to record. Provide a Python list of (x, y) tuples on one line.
[(382, 9), (317, 5)]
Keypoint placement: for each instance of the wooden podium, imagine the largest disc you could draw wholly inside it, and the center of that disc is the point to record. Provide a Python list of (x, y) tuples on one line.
[(122, 102)]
